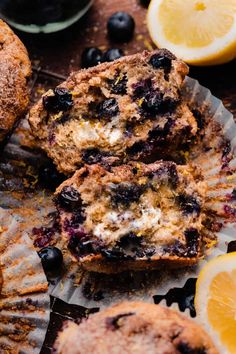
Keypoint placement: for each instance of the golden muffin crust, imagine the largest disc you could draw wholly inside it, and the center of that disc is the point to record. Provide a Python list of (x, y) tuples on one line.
[(135, 327), (15, 69)]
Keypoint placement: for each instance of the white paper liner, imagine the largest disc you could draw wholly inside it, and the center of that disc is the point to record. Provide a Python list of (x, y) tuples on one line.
[(97, 290), (24, 301), (108, 289)]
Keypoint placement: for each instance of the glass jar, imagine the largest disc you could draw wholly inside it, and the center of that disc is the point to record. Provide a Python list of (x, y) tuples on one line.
[(45, 16)]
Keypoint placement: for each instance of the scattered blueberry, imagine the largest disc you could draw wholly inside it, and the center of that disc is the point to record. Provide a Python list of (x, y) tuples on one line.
[(113, 54), (231, 247), (69, 199), (120, 27), (60, 101), (51, 258), (91, 57), (160, 62), (108, 108)]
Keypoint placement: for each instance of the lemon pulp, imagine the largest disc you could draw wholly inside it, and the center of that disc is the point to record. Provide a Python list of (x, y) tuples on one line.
[(194, 23), (221, 308)]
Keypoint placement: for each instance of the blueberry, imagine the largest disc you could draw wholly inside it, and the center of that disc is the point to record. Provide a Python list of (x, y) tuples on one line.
[(60, 101), (69, 199), (91, 57), (160, 62), (189, 204), (155, 103), (49, 177), (192, 240), (185, 348), (108, 108), (91, 156), (81, 244), (136, 148), (113, 54), (152, 103), (120, 26), (141, 88), (119, 84), (231, 247), (125, 194), (51, 258)]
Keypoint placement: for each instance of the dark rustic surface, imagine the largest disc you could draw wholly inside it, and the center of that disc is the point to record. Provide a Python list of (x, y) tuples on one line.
[(60, 53)]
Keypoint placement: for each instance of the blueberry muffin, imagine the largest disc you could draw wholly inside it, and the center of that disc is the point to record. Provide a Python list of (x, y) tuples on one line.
[(135, 327), (1, 280), (15, 69), (125, 110), (133, 216)]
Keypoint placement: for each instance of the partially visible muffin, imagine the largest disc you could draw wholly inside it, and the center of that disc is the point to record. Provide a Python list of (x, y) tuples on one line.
[(1, 280), (126, 110), (15, 69), (135, 327), (133, 216)]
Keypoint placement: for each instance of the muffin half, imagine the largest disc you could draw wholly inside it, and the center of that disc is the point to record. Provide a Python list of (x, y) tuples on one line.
[(133, 216), (126, 110)]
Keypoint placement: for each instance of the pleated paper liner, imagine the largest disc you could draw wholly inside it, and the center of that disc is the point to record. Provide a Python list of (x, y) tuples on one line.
[(24, 301), (214, 153)]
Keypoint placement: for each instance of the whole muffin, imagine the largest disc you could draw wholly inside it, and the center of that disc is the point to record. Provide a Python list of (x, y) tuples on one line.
[(135, 327), (15, 69)]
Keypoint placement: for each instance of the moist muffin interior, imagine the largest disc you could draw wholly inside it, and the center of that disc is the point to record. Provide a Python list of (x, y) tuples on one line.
[(118, 111), (133, 211)]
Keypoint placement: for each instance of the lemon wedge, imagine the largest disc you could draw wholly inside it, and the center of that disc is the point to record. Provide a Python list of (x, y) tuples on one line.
[(201, 32), (215, 300)]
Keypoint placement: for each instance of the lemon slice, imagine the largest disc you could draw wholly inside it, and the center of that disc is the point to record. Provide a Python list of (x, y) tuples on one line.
[(200, 32), (215, 300)]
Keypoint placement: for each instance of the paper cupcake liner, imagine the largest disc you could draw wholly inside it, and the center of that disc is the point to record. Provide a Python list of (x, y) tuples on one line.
[(24, 301), (100, 290)]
